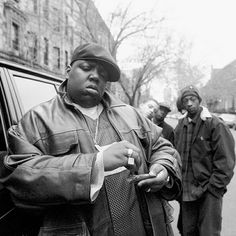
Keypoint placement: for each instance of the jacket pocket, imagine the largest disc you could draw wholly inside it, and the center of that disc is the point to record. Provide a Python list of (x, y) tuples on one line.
[(79, 229), (61, 143), (203, 147)]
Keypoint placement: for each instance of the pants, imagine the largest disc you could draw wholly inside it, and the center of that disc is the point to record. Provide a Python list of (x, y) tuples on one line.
[(202, 217)]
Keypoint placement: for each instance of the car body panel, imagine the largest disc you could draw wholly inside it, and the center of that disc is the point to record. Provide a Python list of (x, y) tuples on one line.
[(12, 108), (229, 119)]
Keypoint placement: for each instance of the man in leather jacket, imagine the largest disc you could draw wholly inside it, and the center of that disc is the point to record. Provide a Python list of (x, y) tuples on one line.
[(89, 163), (206, 146)]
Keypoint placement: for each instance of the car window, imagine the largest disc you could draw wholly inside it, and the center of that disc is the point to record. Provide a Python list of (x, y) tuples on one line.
[(3, 145), (3, 123), (33, 92)]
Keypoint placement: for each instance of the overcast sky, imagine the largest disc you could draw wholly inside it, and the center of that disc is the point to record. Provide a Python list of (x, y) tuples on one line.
[(208, 24)]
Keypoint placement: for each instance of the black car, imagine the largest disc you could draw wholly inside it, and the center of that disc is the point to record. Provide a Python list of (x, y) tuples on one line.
[(229, 119), (20, 89)]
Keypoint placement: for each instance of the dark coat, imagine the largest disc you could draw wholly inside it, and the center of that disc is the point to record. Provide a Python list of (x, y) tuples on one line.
[(167, 131), (51, 148), (212, 152)]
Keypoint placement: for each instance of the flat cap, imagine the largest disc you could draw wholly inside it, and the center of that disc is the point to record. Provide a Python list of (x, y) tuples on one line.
[(164, 105), (95, 52)]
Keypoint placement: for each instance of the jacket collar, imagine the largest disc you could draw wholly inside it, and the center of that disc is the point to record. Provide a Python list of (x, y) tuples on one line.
[(203, 115), (108, 100)]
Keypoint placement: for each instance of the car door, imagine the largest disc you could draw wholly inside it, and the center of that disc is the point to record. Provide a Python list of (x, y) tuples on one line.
[(20, 89)]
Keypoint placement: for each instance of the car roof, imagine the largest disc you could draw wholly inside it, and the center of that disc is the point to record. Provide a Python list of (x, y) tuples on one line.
[(30, 70)]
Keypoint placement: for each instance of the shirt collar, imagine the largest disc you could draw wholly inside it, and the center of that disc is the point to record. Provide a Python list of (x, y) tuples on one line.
[(92, 112), (188, 120), (195, 118)]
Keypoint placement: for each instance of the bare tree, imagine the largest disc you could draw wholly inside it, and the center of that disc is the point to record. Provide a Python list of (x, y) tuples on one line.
[(186, 73), (124, 25), (183, 71), (151, 61)]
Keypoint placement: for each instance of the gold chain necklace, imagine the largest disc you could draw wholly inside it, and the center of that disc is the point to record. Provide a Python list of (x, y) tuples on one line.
[(96, 131), (95, 137), (97, 146)]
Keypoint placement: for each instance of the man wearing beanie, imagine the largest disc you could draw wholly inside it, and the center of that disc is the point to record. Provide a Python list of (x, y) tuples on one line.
[(89, 163), (206, 147)]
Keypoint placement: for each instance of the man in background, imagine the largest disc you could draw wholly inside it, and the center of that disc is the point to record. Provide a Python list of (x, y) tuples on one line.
[(159, 115), (206, 147), (147, 108)]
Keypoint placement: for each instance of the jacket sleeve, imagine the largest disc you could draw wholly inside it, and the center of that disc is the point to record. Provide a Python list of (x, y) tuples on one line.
[(223, 159), (27, 169), (163, 152), (172, 137)]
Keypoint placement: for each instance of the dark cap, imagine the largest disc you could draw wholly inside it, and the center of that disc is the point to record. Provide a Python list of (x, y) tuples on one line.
[(164, 105), (95, 52), (190, 91)]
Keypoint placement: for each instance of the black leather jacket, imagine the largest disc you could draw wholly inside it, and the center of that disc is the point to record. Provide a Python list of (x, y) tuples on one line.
[(52, 156)]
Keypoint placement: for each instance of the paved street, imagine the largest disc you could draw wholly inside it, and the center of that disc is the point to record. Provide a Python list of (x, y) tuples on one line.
[(229, 206)]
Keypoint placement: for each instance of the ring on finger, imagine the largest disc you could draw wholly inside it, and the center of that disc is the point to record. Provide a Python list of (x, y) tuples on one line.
[(130, 152), (130, 158), (148, 190), (130, 161)]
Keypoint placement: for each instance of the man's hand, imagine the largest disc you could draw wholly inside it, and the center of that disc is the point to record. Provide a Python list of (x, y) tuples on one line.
[(155, 180), (117, 156)]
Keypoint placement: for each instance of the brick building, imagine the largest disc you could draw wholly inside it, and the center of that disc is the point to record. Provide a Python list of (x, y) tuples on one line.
[(43, 33), (220, 91)]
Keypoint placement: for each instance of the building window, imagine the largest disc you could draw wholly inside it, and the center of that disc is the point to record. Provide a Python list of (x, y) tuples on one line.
[(35, 4), (45, 57), (46, 9), (34, 49), (66, 59), (72, 7), (56, 57), (33, 46), (15, 36), (66, 24), (33, 91), (56, 20)]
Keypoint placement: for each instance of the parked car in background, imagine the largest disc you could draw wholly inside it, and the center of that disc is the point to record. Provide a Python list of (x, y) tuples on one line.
[(21, 88), (229, 119)]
